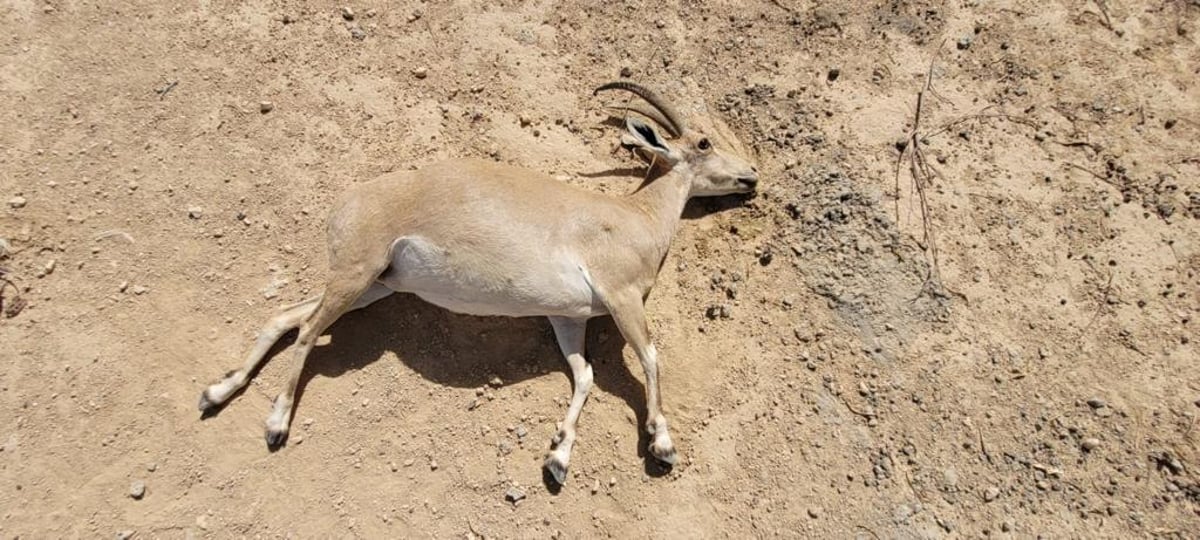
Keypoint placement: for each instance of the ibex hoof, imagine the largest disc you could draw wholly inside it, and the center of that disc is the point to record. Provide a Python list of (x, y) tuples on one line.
[(206, 405), (664, 453), (276, 438), (557, 469)]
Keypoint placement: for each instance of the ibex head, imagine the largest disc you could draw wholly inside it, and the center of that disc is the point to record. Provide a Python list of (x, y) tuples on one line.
[(712, 156)]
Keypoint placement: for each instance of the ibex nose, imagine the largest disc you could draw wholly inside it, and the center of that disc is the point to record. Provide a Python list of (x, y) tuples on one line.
[(749, 181)]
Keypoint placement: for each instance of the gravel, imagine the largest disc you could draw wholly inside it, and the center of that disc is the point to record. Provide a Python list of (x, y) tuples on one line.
[(991, 494), (137, 489), (514, 494), (1089, 444)]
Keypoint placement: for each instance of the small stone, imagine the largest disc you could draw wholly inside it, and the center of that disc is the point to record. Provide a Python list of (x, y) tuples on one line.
[(612, 481), (433, 465), (195, 212), (595, 486), (420, 72), (514, 495), (496, 382), (137, 489), (140, 290), (151, 467), (347, 13), (17, 202), (833, 74), (125, 535), (814, 512), (991, 494), (964, 42), (1097, 403), (357, 32), (1006, 526), (1089, 444), (520, 431), (626, 72), (265, 107), (202, 522), (50, 265)]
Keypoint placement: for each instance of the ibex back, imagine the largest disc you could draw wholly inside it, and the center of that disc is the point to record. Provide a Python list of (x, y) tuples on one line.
[(483, 238)]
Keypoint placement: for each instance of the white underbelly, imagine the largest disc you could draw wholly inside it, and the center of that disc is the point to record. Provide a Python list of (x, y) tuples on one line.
[(493, 283)]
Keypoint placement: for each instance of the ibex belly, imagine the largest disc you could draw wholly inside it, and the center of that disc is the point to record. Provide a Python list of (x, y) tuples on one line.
[(490, 280)]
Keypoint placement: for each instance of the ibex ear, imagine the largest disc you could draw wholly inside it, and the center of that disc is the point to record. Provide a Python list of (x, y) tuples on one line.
[(644, 136)]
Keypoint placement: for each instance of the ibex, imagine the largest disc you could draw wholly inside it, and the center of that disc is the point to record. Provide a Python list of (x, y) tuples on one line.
[(483, 238)]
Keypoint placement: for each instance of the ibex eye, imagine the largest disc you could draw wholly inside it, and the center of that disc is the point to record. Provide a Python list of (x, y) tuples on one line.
[(704, 144)]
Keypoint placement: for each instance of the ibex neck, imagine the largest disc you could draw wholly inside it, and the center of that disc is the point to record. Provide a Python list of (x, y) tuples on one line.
[(662, 200)]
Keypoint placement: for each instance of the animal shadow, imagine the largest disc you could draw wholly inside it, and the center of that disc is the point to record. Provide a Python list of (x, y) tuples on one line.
[(465, 351)]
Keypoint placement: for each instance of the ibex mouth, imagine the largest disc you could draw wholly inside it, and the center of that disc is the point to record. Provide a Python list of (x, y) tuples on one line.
[(749, 182)]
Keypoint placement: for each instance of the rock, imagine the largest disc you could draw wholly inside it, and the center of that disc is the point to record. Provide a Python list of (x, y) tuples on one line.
[(1096, 403), (814, 512), (50, 265), (496, 382), (991, 494), (520, 431), (1089, 444), (420, 72), (514, 495), (357, 32), (626, 72), (595, 486), (139, 290), (950, 478), (265, 107), (833, 74), (964, 42), (137, 489), (347, 13), (125, 535), (433, 465), (151, 467), (195, 212), (17, 202)]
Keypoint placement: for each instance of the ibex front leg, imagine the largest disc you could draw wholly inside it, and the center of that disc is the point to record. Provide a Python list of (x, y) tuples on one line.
[(630, 315), (571, 337)]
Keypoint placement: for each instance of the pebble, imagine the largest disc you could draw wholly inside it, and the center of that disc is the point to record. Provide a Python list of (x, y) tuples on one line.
[(514, 494), (1007, 525), (991, 494), (964, 42), (433, 465), (151, 467), (1097, 403), (1089, 444), (347, 13), (125, 535), (357, 32), (595, 486), (265, 107), (17, 202), (521, 431), (833, 74), (137, 489), (626, 72), (195, 212), (814, 512), (140, 290), (420, 72)]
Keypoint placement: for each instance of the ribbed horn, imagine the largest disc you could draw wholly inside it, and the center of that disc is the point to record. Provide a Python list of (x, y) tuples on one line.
[(674, 121)]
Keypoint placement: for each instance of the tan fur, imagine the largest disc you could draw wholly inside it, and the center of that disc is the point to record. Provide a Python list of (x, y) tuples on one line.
[(490, 239)]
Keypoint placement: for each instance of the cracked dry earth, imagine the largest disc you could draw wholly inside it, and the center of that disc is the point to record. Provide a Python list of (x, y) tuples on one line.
[(823, 376)]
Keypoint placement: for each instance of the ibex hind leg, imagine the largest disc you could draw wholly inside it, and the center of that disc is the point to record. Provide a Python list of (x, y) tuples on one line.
[(217, 394), (347, 293), (290, 318)]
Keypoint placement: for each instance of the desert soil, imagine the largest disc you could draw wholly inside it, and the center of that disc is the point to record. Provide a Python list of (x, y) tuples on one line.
[(1021, 363)]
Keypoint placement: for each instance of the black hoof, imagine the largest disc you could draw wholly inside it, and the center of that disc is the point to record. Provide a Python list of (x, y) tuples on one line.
[(557, 470), (275, 439), (208, 407), (667, 457)]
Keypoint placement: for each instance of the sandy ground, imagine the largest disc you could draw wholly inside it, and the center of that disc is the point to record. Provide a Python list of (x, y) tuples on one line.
[(1041, 379)]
